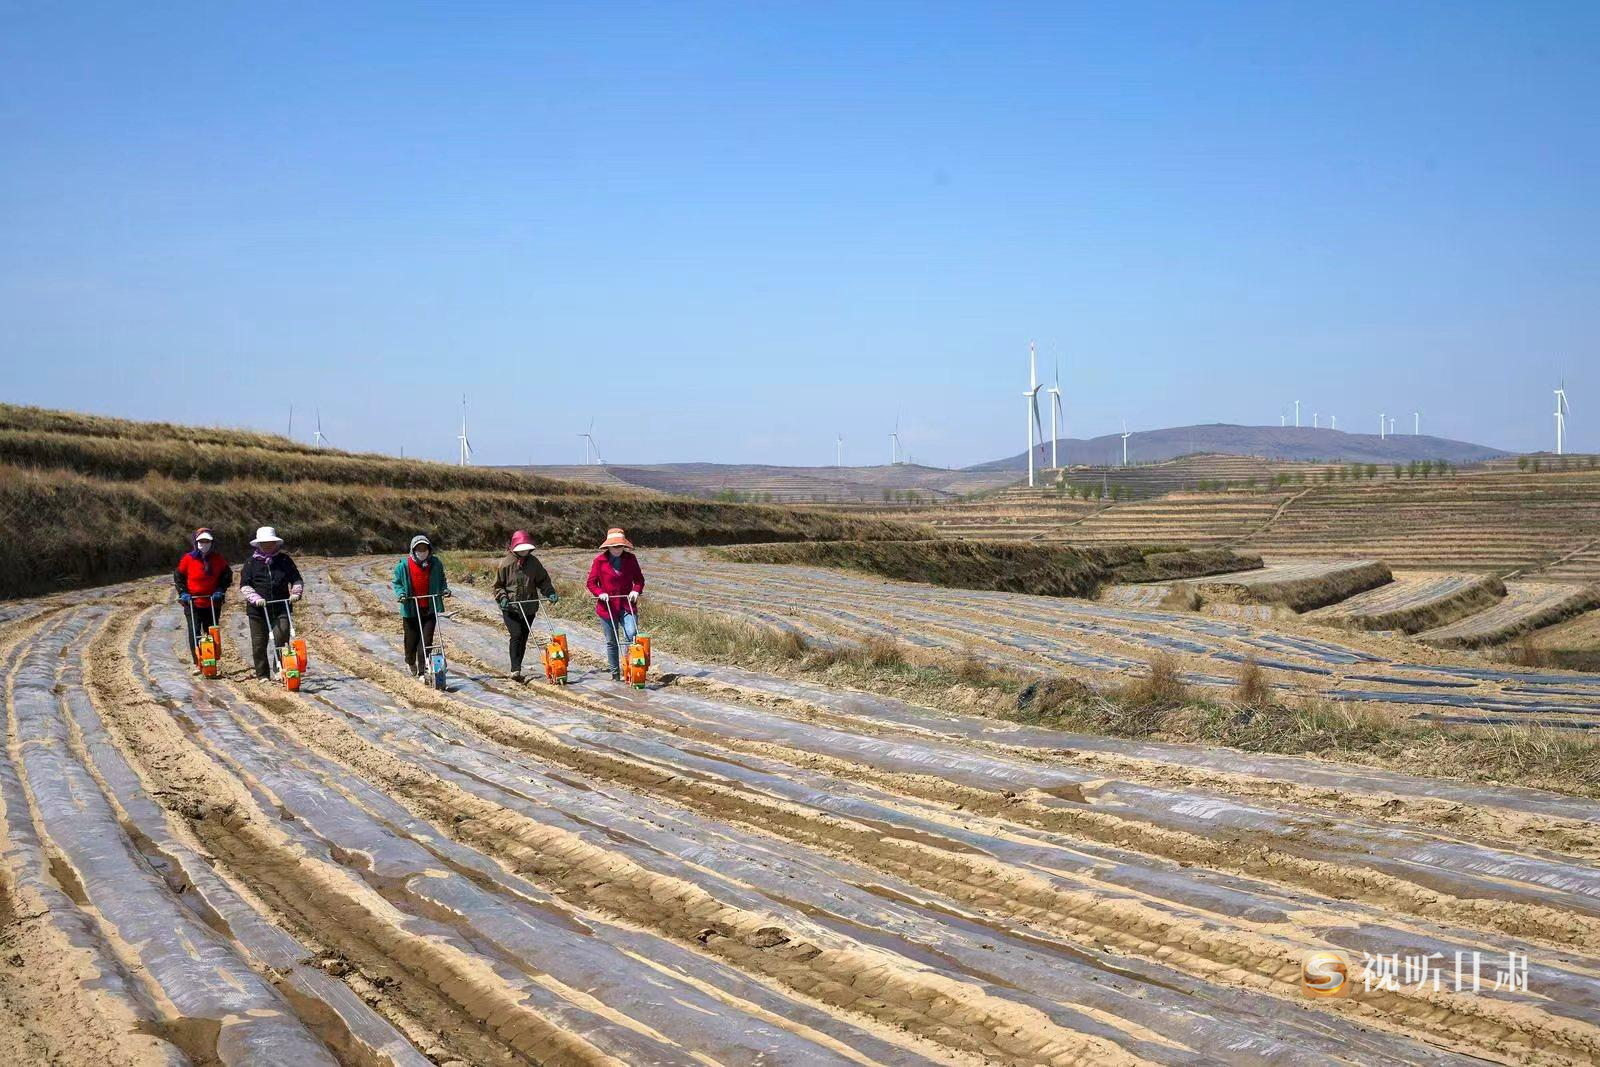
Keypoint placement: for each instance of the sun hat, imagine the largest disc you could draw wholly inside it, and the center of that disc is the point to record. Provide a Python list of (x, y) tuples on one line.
[(265, 533), (616, 537), (520, 539), (203, 534), (420, 539)]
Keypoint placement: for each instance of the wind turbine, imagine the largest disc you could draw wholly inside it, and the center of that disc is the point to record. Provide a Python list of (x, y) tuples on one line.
[(290, 432), (839, 459), (1057, 419), (466, 445), (1316, 417), (1297, 414), (1032, 397), (1333, 422), (894, 442), (1125, 436), (1383, 423), (1283, 420), (591, 450), (1562, 411), (320, 436)]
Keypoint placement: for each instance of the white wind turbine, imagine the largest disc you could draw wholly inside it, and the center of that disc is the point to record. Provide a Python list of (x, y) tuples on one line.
[(1383, 423), (1391, 425), (1316, 420), (461, 438), (1562, 411), (1125, 436), (591, 452), (320, 437), (839, 458), (894, 442), (1297, 414), (1058, 421), (1032, 397), (1333, 422), (1416, 424), (1283, 420)]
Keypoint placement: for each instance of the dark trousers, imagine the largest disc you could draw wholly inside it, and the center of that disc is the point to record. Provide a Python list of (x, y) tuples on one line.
[(198, 620), (519, 629), (258, 636), (419, 635)]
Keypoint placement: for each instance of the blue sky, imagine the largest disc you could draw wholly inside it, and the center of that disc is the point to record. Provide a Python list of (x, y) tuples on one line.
[(729, 231)]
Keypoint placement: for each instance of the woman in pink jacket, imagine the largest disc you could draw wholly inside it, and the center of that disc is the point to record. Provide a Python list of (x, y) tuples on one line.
[(616, 582)]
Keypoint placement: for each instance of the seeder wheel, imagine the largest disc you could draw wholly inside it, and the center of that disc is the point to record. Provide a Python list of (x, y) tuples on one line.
[(300, 652)]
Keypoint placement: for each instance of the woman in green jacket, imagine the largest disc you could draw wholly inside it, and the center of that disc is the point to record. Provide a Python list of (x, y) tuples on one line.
[(420, 586)]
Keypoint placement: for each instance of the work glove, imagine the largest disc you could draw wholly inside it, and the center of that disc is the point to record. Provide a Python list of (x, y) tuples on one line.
[(445, 593), (400, 597), (553, 598), (294, 597), (185, 598), (633, 598), (605, 598)]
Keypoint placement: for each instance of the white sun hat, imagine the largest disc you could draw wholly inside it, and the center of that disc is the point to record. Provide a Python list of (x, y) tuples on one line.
[(266, 533)]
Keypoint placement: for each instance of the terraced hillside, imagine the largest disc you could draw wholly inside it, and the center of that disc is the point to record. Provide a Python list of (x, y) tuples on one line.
[(792, 485), (86, 499), (738, 867), (1180, 519), (1501, 521)]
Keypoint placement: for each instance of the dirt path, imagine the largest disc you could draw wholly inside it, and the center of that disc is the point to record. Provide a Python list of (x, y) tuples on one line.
[(731, 869)]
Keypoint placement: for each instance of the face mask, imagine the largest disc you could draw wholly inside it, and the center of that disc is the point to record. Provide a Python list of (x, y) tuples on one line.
[(422, 555), (203, 547), (524, 553)]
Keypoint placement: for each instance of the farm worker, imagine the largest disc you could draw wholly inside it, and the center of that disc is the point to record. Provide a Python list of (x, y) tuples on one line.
[(518, 581), (419, 575), (616, 582), (267, 576), (202, 577)]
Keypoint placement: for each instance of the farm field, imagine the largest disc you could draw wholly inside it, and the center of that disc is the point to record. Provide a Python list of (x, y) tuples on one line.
[(738, 867), (1496, 519)]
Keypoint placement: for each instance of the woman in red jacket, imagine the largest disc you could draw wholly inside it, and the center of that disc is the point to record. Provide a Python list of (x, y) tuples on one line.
[(616, 582), (202, 577)]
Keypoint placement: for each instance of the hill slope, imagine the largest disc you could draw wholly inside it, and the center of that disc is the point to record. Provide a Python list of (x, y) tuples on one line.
[(784, 484), (1268, 442), (85, 500)]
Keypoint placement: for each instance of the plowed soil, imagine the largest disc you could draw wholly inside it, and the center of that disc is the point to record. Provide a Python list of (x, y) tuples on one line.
[(373, 872)]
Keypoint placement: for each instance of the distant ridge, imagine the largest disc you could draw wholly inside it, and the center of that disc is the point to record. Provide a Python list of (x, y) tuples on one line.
[(1301, 443)]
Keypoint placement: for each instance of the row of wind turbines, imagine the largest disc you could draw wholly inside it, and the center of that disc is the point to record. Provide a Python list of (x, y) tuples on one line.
[(1035, 424)]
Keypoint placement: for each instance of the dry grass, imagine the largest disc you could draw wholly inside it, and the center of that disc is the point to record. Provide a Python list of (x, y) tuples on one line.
[(1166, 566), (1009, 566), (262, 459), (1157, 706), (64, 530), (1252, 690), (1160, 689)]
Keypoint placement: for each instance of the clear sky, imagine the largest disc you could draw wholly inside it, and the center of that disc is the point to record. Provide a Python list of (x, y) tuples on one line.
[(729, 231)]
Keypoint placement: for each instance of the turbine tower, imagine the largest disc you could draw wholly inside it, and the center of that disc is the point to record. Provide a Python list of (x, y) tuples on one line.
[(591, 454), (1032, 397), (894, 442), (1297, 414), (461, 438), (839, 458), (1333, 422), (1316, 420), (1125, 436), (320, 436), (1058, 421), (1416, 424), (1562, 411), (1283, 420), (1383, 423)]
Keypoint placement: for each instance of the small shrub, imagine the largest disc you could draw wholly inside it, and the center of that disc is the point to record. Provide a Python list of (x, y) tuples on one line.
[(1161, 689), (884, 652), (1253, 690)]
